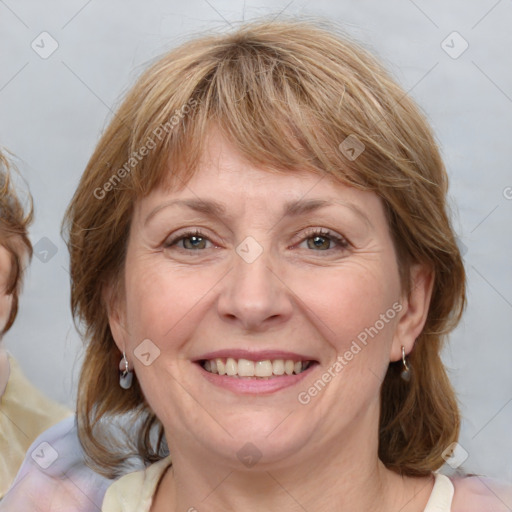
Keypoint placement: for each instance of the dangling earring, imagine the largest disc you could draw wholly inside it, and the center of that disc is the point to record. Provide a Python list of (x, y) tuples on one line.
[(125, 375), (406, 371)]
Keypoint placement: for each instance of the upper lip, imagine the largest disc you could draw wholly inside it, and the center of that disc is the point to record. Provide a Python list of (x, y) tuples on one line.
[(260, 355)]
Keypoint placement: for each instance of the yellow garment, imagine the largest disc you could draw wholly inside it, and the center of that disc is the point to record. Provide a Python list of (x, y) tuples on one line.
[(24, 414), (134, 492)]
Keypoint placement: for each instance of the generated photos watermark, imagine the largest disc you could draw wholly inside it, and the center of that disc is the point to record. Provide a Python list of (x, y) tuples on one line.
[(305, 397), (145, 149)]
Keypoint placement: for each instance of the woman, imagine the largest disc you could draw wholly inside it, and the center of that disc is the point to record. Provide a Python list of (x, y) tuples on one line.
[(266, 271)]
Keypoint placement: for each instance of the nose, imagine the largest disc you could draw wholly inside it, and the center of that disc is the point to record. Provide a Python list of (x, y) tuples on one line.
[(254, 296)]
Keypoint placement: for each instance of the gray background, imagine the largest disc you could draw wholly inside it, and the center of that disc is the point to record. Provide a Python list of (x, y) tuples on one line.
[(52, 112)]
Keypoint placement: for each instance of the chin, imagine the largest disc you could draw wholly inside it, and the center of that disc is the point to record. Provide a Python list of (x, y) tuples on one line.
[(261, 440)]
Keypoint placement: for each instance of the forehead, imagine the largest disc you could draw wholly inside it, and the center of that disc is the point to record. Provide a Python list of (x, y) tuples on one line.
[(225, 177)]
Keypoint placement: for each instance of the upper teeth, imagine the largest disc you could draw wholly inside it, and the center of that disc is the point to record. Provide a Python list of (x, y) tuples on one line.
[(248, 368)]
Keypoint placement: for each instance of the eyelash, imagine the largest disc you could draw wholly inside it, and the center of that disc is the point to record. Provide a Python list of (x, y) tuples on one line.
[(342, 242)]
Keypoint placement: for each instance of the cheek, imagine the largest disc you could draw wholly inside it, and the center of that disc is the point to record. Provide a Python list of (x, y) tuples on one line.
[(351, 301), (357, 316), (5, 309), (161, 297)]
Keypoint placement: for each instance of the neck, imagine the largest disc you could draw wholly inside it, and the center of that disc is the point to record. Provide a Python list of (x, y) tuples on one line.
[(346, 475), (4, 369)]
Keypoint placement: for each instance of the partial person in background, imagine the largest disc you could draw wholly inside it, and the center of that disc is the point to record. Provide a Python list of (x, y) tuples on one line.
[(25, 411)]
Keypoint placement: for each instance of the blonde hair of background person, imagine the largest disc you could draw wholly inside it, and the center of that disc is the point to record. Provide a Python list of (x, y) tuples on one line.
[(25, 411), (14, 222), (275, 100)]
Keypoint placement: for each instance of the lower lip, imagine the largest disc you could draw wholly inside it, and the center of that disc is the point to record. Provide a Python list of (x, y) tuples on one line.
[(255, 386)]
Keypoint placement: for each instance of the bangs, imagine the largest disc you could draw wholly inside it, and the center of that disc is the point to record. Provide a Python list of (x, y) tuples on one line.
[(281, 113)]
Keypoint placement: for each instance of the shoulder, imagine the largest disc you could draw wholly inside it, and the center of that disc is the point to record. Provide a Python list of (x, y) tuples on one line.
[(134, 492), (481, 494)]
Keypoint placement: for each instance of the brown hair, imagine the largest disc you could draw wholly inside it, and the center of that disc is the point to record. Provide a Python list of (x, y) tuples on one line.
[(286, 94), (14, 222)]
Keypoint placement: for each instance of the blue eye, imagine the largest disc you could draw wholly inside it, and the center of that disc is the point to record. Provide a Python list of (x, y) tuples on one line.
[(323, 239), (192, 240), (319, 240)]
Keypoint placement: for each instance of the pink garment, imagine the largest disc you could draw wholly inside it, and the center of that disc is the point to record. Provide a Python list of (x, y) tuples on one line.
[(54, 476), (481, 494)]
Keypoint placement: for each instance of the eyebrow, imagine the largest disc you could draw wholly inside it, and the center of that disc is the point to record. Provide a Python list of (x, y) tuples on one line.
[(291, 208)]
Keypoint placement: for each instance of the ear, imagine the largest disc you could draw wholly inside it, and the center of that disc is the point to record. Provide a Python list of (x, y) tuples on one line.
[(415, 310), (116, 312)]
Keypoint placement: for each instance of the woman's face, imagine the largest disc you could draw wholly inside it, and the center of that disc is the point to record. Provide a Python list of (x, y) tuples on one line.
[(249, 270)]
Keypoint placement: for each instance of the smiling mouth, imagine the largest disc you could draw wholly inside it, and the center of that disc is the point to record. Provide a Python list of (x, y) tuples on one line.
[(245, 368)]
